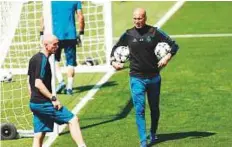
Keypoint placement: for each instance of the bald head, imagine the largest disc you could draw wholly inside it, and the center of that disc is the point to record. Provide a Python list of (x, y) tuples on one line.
[(139, 17), (48, 38), (50, 43), (140, 12)]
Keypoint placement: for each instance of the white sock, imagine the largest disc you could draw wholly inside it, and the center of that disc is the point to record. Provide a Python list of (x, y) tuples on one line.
[(83, 145), (70, 83), (59, 75)]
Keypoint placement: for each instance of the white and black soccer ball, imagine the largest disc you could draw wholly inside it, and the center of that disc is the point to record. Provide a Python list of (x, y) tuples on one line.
[(121, 54), (162, 49), (5, 76)]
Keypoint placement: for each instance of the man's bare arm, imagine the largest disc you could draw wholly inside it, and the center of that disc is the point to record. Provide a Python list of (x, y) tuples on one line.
[(81, 21), (42, 88)]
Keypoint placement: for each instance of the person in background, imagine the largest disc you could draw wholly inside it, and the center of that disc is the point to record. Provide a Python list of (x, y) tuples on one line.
[(64, 27)]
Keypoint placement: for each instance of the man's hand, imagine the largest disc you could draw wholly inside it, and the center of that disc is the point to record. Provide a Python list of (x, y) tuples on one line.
[(117, 65), (164, 61), (80, 38), (41, 39), (57, 105)]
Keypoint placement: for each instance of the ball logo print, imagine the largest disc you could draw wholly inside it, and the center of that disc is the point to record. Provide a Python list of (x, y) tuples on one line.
[(121, 54), (162, 49)]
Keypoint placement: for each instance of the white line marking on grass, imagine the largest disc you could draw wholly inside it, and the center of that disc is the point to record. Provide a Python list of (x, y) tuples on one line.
[(93, 91), (200, 35), (195, 36), (169, 14)]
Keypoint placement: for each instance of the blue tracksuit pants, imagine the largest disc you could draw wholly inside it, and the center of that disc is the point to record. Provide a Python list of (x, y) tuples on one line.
[(139, 87)]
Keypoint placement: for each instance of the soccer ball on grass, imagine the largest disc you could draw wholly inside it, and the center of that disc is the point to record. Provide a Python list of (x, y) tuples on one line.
[(5, 76)]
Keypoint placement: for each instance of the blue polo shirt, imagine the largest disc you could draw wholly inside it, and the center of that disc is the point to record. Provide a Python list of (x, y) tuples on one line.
[(63, 19)]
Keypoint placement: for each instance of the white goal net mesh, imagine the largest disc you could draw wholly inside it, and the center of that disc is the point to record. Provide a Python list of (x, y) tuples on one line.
[(19, 40)]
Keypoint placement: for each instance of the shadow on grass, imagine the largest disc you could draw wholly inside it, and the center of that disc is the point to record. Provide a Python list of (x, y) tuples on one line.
[(80, 89), (123, 114), (89, 87), (125, 111), (181, 135)]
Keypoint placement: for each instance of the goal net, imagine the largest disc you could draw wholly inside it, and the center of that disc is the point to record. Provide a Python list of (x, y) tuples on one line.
[(19, 40)]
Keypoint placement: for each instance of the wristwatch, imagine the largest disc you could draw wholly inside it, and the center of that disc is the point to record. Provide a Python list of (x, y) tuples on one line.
[(53, 98)]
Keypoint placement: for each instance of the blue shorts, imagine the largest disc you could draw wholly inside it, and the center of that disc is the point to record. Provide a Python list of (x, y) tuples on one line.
[(69, 47), (44, 116)]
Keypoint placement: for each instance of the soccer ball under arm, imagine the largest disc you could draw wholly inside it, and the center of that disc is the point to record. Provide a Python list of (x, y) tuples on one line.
[(121, 54), (162, 49)]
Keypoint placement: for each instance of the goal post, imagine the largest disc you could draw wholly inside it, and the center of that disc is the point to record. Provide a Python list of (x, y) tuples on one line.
[(108, 30), (20, 39), (7, 33)]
